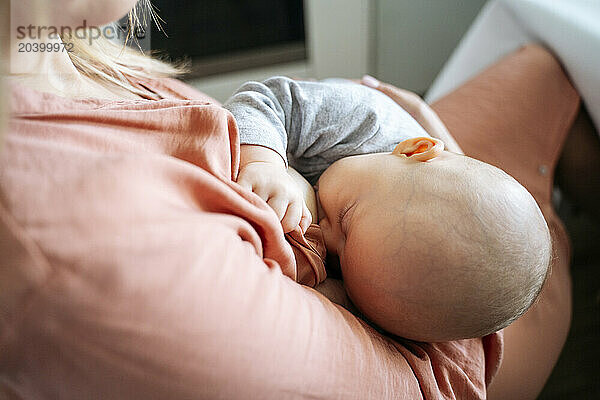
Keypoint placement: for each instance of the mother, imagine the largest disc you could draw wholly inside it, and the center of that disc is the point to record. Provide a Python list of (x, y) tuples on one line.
[(133, 267)]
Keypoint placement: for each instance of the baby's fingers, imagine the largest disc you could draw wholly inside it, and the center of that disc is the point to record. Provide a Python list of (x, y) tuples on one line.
[(292, 217), (279, 204), (250, 183), (264, 193), (244, 182), (306, 219)]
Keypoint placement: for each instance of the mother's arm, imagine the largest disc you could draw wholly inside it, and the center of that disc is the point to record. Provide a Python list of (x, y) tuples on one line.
[(187, 308)]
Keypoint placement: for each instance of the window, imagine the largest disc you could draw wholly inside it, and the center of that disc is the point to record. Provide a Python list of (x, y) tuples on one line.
[(229, 35)]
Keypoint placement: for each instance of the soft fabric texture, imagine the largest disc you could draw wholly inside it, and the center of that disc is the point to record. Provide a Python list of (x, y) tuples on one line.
[(134, 267), (313, 124), (310, 253)]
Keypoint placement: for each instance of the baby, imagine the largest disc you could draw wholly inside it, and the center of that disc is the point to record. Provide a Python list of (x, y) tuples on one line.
[(433, 245)]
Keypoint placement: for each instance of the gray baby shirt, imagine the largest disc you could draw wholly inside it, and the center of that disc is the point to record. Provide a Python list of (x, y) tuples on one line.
[(313, 124)]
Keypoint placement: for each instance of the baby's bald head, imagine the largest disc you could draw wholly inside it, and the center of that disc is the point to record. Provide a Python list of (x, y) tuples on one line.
[(439, 250)]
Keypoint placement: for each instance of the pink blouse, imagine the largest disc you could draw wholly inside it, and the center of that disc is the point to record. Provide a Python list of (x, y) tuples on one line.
[(134, 267)]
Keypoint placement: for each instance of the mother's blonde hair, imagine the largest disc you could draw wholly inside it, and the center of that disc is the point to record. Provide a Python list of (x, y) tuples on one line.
[(111, 63)]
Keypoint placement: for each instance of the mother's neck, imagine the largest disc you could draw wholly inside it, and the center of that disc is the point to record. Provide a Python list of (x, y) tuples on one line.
[(53, 71), (45, 70)]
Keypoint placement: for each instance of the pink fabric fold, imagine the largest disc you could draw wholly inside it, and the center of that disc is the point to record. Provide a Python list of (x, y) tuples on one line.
[(138, 269)]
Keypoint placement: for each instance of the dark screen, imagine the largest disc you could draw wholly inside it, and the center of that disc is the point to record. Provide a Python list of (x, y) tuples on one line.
[(198, 29)]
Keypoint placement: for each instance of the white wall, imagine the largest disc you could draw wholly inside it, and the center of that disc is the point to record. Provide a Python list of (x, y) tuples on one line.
[(341, 37), (416, 37)]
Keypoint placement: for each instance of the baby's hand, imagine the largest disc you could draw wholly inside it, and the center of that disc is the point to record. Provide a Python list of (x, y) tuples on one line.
[(270, 180)]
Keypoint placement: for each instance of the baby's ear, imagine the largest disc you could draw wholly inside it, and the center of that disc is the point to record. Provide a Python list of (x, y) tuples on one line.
[(419, 148)]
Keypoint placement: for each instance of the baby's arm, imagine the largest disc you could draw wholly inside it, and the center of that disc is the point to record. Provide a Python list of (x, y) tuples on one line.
[(261, 113), (279, 116), (313, 124)]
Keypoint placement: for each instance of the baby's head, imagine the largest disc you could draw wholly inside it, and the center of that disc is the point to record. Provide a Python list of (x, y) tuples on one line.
[(441, 248)]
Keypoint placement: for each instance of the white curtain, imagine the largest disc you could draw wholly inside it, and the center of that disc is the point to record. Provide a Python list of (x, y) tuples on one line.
[(569, 28)]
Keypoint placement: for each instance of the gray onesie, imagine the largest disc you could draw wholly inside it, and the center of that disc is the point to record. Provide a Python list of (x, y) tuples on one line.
[(313, 124)]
